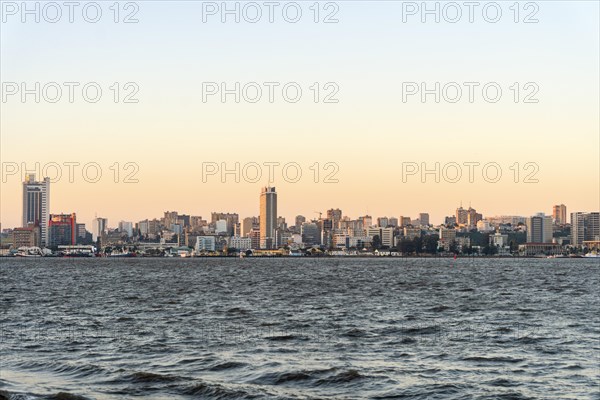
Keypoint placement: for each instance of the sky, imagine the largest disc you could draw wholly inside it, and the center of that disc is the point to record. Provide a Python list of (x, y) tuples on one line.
[(367, 62)]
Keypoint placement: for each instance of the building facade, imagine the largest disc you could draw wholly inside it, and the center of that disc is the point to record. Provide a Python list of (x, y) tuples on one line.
[(539, 228), (36, 206), (268, 217), (585, 226)]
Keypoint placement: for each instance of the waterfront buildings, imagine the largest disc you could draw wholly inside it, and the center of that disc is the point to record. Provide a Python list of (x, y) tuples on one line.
[(539, 228), (386, 235), (240, 243), (36, 206), (61, 230), (25, 237), (268, 217), (205, 243), (585, 226)]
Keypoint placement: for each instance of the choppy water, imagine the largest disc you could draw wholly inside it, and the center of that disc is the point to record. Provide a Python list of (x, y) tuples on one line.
[(300, 328)]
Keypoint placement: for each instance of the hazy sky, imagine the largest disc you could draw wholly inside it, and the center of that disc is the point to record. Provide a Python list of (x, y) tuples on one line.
[(368, 133)]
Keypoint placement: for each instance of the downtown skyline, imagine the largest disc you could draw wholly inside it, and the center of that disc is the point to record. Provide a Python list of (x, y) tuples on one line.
[(310, 213), (271, 231)]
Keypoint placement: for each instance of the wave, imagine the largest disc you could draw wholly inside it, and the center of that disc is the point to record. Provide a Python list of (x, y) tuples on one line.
[(214, 391), (6, 395), (343, 377), (227, 365), (151, 377), (495, 359)]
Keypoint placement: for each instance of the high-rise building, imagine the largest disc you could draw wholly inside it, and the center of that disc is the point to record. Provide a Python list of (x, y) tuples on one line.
[(170, 218), (367, 221), (311, 234), (300, 219), (404, 221), (281, 224), (450, 221), (584, 226), (61, 230), (248, 224), (473, 217), (335, 215), (462, 216), (196, 222), (126, 227), (559, 214), (99, 228), (36, 206), (80, 231), (221, 227), (254, 236), (424, 218), (383, 222), (539, 228), (231, 220), (268, 217)]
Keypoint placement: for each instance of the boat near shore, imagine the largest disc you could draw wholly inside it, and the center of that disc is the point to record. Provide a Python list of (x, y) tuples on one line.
[(33, 251)]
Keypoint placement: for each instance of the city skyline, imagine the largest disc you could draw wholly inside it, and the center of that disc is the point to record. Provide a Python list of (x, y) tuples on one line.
[(269, 231), (309, 216)]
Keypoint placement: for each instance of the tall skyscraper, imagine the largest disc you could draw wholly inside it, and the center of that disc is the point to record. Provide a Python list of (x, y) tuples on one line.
[(539, 228), (559, 214), (424, 218), (268, 217), (36, 206), (99, 228), (584, 226)]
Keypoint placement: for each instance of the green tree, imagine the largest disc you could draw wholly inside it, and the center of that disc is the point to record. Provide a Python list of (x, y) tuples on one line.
[(376, 243), (431, 243), (418, 243)]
